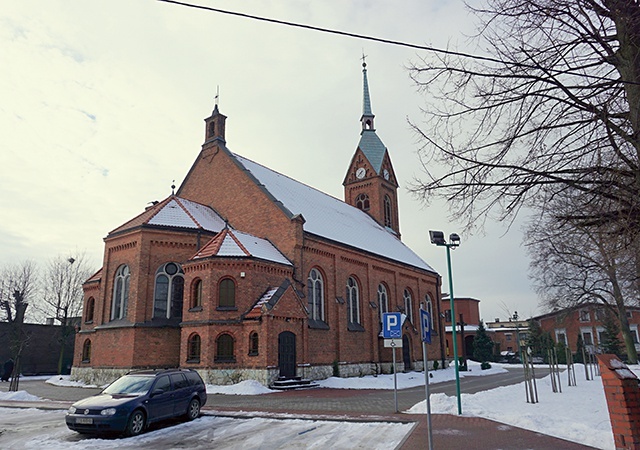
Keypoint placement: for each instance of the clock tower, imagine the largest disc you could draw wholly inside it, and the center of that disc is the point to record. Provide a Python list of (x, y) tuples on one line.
[(370, 183)]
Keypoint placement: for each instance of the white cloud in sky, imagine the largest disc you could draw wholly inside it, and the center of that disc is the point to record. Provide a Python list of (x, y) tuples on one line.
[(102, 106)]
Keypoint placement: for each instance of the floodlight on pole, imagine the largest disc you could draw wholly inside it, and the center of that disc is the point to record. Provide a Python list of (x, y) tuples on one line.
[(437, 238)]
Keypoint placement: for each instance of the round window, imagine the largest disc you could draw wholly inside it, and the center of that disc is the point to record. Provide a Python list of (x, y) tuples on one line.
[(171, 269)]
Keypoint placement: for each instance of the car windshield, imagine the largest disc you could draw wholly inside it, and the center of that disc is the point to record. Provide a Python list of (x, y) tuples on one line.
[(130, 384)]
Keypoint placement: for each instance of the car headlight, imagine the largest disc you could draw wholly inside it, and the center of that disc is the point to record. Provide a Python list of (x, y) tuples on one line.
[(72, 410), (108, 412)]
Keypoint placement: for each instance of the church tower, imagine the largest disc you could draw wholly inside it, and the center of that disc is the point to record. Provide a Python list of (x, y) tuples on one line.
[(214, 127), (370, 183)]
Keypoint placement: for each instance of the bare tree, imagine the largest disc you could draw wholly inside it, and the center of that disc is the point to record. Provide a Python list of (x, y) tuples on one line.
[(63, 295), (18, 286), (553, 106), (573, 265)]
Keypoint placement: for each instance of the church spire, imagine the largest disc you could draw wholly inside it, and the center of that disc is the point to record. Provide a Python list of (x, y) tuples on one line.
[(367, 115), (370, 183)]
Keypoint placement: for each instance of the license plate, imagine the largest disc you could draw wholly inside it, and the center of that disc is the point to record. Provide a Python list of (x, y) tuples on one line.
[(84, 420)]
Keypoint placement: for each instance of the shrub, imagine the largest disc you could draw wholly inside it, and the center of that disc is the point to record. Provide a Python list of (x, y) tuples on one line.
[(485, 365)]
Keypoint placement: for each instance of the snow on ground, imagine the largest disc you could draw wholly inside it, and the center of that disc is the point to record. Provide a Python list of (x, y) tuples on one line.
[(48, 431), (577, 414), (247, 387), (65, 381), (19, 396), (407, 380)]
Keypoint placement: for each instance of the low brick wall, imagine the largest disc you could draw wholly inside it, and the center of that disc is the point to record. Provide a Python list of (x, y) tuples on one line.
[(623, 401)]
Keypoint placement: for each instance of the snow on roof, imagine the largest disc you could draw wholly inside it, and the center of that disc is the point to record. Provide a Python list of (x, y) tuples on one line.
[(180, 212), (233, 243), (330, 218), (177, 212)]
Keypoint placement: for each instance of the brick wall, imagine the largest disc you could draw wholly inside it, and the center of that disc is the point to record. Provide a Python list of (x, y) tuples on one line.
[(623, 401)]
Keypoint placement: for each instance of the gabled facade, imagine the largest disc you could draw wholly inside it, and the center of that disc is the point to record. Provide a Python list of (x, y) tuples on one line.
[(246, 273), (585, 320)]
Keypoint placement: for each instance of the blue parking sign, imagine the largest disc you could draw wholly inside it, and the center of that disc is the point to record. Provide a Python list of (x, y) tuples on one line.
[(391, 325), (425, 326)]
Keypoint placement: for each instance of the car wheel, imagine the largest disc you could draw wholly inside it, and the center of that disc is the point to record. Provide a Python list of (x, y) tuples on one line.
[(194, 409), (136, 423)]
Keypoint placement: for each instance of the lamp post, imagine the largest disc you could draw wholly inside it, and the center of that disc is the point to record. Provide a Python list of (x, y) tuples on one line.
[(437, 238)]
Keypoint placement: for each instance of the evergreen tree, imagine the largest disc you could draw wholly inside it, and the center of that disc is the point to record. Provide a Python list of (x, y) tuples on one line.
[(535, 339), (561, 353), (482, 345), (610, 341), (578, 356), (546, 342)]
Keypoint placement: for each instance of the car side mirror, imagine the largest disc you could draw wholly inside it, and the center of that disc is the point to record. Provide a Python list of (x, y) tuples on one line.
[(157, 391)]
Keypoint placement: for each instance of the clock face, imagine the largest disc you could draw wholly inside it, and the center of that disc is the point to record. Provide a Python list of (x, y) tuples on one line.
[(360, 173), (385, 174)]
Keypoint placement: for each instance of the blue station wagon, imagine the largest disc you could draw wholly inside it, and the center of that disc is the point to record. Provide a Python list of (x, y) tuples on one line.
[(136, 400)]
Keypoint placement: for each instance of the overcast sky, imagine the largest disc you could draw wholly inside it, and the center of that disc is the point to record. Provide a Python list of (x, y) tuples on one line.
[(102, 106)]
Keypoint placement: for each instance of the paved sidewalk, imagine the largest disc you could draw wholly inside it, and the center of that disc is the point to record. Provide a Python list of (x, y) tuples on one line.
[(449, 432)]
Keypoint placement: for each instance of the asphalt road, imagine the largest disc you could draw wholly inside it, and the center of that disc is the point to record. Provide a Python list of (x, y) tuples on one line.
[(371, 401)]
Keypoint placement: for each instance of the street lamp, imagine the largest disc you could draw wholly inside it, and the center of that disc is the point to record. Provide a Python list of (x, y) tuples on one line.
[(437, 238)]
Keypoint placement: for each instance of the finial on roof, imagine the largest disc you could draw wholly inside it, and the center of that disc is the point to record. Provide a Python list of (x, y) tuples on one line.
[(173, 187), (367, 115), (216, 99)]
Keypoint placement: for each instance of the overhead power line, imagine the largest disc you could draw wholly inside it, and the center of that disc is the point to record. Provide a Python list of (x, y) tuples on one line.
[(387, 41)]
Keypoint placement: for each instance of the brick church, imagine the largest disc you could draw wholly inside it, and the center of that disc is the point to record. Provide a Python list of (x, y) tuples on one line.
[(245, 273)]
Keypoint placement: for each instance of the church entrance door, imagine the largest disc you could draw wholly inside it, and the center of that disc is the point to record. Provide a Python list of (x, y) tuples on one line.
[(287, 354)]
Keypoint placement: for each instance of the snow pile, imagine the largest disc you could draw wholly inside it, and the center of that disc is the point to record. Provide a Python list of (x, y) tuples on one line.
[(408, 380), (247, 387), (19, 396), (65, 381)]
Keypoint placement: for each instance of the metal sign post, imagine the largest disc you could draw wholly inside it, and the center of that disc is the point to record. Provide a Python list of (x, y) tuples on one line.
[(395, 376), (392, 331), (425, 329)]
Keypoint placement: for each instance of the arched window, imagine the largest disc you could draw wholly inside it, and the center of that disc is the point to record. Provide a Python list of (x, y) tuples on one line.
[(227, 293), (429, 304), (253, 344), (408, 305), (387, 212), (193, 348), (86, 351), (168, 297), (383, 300), (120, 293), (353, 301), (224, 349), (196, 293), (315, 290), (89, 309), (362, 202)]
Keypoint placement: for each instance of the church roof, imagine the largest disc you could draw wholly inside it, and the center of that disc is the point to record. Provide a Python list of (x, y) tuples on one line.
[(373, 148), (233, 243), (177, 212), (328, 217)]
